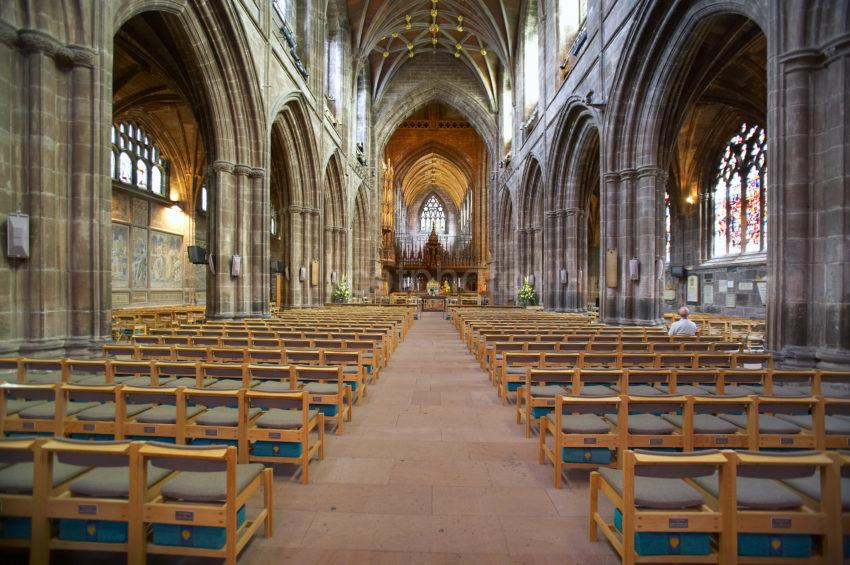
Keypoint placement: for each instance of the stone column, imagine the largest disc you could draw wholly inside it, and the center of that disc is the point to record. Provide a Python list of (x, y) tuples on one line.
[(808, 231), (572, 241), (649, 247), (551, 259), (259, 244), (221, 289), (610, 227), (296, 237)]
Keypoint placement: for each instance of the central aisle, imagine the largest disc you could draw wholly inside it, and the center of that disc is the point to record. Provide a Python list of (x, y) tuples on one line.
[(432, 470)]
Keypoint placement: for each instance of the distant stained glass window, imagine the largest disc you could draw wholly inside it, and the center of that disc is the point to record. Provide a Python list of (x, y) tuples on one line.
[(740, 212), (132, 144), (433, 216)]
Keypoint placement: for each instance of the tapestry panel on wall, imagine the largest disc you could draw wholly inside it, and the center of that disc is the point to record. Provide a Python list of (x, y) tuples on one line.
[(120, 255), (166, 260), (140, 258)]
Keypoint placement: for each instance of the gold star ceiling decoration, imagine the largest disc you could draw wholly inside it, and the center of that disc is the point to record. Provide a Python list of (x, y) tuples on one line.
[(477, 33)]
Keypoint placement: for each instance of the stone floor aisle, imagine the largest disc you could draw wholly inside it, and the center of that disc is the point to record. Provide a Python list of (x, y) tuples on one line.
[(432, 470)]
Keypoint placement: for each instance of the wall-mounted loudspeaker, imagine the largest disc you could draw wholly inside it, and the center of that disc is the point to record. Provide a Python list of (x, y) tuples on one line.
[(197, 255), (17, 236), (562, 276), (236, 266), (634, 270)]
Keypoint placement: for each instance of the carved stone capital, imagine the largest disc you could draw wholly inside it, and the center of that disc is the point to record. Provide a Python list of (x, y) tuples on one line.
[(37, 41), (222, 166)]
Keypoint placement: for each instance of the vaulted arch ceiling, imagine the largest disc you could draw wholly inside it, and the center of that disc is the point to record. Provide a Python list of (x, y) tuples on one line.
[(433, 172), (478, 33)]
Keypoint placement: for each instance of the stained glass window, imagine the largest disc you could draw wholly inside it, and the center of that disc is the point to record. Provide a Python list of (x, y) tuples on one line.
[(433, 216), (131, 143), (125, 169), (740, 212), (156, 181), (141, 174), (667, 226)]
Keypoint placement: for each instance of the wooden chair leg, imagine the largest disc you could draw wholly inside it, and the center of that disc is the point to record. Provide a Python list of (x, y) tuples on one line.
[(321, 436), (268, 481), (541, 446), (593, 533)]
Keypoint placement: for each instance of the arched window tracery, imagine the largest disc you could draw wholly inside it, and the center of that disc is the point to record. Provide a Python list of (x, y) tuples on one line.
[(739, 197), (130, 143), (433, 215)]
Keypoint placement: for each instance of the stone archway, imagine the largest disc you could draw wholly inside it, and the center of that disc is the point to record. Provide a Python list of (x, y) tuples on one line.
[(294, 180)]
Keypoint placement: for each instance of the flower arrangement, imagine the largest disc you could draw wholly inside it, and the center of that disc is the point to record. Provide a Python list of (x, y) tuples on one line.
[(526, 295), (342, 292)]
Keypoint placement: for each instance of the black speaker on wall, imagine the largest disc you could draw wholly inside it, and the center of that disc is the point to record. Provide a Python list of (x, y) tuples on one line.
[(276, 266), (197, 255)]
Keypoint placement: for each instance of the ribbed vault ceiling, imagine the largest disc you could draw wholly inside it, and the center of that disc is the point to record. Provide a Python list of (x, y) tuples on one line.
[(433, 172), (478, 33)]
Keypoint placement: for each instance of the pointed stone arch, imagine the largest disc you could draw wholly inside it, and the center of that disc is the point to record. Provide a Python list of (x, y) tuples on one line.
[(335, 221), (294, 184), (362, 234)]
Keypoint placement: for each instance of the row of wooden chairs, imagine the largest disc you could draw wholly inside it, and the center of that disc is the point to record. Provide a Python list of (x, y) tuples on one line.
[(374, 354), (266, 426), (592, 430), (724, 507), (327, 386), (511, 367), (137, 498), (480, 345), (536, 390), (485, 342)]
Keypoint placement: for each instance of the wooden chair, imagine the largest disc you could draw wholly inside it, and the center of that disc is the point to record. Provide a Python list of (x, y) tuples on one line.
[(353, 370), (228, 354), (41, 371), (703, 427), (86, 372), (536, 397), (155, 353), (773, 522), (327, 391), (270, 377), (658, 516), (311, 357), (780, 433), (222, 421), (201, 511), (120, 351), (36, 409), (286, 429), (512, 369), (134, 373), (102, 421), (23, 489), (191, 353), (97, 510), (581, 436), (646, 426), (165, 417)]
